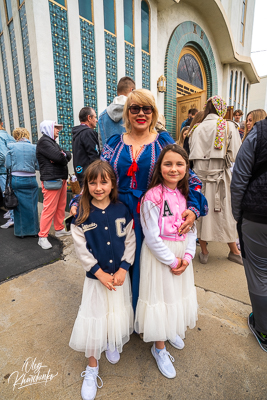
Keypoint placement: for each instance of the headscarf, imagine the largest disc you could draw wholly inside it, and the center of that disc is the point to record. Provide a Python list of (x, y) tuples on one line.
[(221, 109), (47, 128)]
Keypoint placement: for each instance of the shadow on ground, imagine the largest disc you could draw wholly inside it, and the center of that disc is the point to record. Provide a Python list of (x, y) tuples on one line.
[(22, 255)]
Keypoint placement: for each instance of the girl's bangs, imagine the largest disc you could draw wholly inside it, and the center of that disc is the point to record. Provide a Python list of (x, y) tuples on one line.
[(96, 170)]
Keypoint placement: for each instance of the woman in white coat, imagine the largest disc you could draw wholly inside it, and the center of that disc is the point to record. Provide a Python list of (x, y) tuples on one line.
[(213, 148)]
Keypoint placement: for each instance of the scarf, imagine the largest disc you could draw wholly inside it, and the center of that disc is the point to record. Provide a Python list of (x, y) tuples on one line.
[(221, 109)]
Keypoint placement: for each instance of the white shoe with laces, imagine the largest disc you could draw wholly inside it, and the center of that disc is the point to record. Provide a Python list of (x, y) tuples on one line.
[(63, 232), (44, 243), (178, 343), (7, 215), (164, 361), (90, 385), (112, 356), (8, 224)]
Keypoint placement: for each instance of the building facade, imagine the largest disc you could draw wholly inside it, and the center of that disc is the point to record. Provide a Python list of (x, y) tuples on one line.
[(58, 56)]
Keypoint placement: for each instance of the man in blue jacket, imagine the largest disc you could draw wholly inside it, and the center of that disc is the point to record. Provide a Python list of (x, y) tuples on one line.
[(110, 121), (5, 138)]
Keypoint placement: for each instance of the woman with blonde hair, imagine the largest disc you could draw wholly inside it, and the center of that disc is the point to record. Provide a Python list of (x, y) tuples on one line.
[(182, 136), (251, 119), (133, 156), (21, 160)]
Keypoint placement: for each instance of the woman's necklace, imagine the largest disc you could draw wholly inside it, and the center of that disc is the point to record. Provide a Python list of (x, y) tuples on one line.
[(140, 145)]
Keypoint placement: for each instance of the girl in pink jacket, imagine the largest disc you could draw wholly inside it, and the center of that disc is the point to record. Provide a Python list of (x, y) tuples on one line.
[(167, 301)]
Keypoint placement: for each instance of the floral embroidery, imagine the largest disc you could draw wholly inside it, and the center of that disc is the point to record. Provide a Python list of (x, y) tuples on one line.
[(221, 109)]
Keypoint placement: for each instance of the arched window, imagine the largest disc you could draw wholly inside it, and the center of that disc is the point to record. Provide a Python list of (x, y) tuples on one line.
[(145, 25), (240, 88), (246, 110), (243, 95), (231, 87), (189, 71), (8, 9), (85, 9), (109, 16), (235, 89), (128, 21)]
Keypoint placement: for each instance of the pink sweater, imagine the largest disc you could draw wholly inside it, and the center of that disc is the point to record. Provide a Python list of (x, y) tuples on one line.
[(161, 218)]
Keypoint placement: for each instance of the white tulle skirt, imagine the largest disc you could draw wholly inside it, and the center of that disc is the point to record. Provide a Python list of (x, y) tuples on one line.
[(167, 303), (104, 317)]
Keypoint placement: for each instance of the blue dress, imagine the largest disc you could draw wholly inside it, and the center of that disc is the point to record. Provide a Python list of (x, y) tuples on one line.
[(133, 178)]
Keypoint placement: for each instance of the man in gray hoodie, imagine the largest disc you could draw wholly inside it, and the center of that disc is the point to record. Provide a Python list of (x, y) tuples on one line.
[(110, 121)]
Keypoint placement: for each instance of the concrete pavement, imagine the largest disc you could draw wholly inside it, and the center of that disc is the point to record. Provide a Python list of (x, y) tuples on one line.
[(221, 358)]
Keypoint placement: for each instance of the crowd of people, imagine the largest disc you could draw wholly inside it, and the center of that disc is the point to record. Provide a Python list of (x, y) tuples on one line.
[(145, 203)]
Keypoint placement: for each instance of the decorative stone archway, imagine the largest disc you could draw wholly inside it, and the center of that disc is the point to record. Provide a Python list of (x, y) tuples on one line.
[(186, 34)]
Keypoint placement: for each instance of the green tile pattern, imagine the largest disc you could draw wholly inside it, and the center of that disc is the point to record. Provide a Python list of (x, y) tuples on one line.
[(183, 36)]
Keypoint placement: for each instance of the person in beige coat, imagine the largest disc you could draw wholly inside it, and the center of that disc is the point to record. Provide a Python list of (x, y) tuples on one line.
[(214, 144)]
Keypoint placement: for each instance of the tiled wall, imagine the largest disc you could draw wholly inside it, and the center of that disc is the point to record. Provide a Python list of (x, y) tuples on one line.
[(16, 72), (145, 70), (2, 116), (187, 33), (88, 64), (7, 83), (111, 66), (129, 60), (28, 71), (60, 43)]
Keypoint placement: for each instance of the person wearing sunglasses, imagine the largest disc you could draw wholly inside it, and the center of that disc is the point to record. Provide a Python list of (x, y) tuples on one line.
[(133, 156)]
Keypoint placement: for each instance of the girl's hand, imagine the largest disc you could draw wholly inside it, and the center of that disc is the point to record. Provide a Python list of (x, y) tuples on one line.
[(73, 210), (119, 277), (180, 269), (106, 279)]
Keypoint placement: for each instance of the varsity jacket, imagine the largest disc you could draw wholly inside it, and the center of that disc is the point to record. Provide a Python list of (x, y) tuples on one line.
[(105, 240), (161, 218)]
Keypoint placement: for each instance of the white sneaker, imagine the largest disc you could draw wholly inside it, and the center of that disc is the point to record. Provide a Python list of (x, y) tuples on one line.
[(164, 361), (7, 215), (112, 356), (44, 243), (63, 232), (8, 224), (178, 343), (90, 385)]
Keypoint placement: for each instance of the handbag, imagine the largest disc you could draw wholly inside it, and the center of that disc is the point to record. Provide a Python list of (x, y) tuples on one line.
[(75, 186), (53, 184), (10, 199)]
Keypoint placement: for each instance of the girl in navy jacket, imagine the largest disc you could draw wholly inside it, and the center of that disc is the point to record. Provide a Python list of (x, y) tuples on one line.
[(104, 241)]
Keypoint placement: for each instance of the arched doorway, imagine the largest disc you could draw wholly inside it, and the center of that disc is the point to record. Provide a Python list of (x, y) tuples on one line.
[(191, 90), (187, 34)]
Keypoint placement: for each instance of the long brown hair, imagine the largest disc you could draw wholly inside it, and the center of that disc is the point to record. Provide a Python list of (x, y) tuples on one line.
[(157, 178), (256, 115), (197, 119), (91, 173)]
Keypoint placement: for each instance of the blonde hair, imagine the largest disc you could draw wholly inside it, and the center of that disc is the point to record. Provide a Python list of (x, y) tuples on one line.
[(20, 133), (180, 140), (256, 115), (142, 97), (197, 119)]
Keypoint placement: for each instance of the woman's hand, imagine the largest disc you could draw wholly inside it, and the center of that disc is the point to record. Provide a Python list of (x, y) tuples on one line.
[(190, 217), (73, 210), (180, 269), (106, 279), (119, 277)]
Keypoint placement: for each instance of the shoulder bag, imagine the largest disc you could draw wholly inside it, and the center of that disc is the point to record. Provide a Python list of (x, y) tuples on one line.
[(53, 184), (10, 199)]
